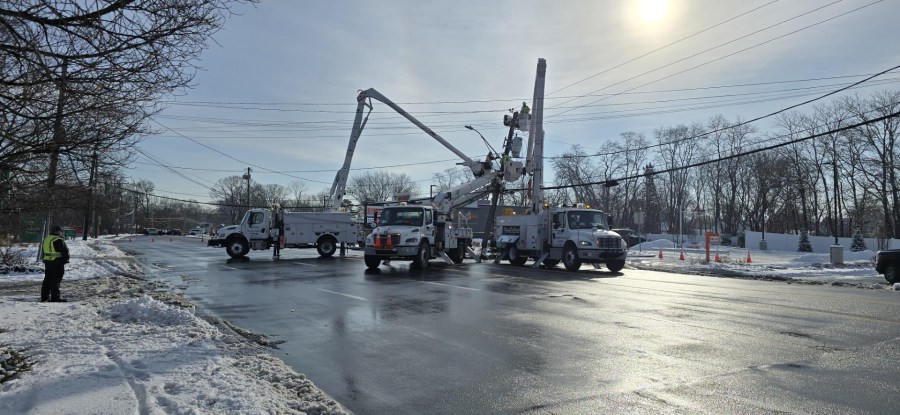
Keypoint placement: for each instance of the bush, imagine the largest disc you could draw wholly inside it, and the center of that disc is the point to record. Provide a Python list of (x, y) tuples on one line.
[(858, 244), (804, 245), (11, 255)]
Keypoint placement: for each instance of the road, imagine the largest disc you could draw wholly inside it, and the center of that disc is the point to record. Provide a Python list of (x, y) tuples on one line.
[(487, 338)]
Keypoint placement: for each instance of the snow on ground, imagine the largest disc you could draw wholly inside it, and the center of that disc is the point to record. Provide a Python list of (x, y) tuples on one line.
[(858, 268), (128, 345)]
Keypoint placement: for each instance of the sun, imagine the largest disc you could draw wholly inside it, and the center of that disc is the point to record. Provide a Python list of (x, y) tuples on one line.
[(653, 10)]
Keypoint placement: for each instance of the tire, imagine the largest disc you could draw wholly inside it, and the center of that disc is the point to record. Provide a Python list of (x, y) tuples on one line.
[(570, 258), (890, 274), (515, 258), (615, 266), (422, 255), (237, 247), (326, 245), (550, 263), (372, 261), (457, 255)]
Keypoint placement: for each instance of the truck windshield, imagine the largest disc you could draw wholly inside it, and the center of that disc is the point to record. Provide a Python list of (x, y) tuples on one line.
[(586, 219), (401, 216)]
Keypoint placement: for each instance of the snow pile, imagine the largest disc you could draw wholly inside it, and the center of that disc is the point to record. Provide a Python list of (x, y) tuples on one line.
[(126, 346), (148, 310), (864, 257)]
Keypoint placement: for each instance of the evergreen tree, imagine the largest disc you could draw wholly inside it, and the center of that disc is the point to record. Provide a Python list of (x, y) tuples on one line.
[(804, 245), (858, 244)]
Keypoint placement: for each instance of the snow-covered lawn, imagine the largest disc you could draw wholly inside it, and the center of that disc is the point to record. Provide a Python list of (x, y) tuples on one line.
[(128, 346)]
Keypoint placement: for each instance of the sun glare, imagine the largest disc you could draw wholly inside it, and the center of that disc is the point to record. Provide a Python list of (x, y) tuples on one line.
[(653, 10)]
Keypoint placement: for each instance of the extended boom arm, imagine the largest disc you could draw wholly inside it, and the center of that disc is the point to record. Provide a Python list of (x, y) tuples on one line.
[(338, 188)]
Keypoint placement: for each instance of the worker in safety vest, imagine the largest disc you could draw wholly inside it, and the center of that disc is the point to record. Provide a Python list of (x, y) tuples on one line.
[(56, 255)]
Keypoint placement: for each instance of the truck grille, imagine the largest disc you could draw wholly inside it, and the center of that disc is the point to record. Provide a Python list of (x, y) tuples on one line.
[(387, 241), (608, 243)]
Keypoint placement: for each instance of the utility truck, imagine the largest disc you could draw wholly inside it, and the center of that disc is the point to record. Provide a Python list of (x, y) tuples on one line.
[(262, 229), (574, 234), (434, 229)]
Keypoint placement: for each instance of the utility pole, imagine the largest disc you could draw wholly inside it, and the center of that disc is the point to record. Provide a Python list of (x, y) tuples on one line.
[(247, 178)]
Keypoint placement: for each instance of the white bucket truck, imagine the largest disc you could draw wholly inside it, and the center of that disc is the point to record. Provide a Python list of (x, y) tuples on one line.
[(261, 229), (573, 235)]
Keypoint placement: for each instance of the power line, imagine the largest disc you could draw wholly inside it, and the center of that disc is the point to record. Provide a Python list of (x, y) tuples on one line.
[(729, 157), (748, 121), (725, 56)]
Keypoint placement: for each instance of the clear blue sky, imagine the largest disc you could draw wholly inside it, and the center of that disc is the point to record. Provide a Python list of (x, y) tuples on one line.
[(278, 86)]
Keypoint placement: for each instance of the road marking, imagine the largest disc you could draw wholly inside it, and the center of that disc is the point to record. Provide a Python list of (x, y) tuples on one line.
[(345, 295), (303, 263), (454, 286), (226, 266)]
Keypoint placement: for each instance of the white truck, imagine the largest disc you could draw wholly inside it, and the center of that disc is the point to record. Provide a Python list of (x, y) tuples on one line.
[(261, 229), (573, 235), (421, 232)]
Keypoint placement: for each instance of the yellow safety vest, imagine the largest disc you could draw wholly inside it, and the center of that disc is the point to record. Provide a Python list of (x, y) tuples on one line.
[(50, 253)]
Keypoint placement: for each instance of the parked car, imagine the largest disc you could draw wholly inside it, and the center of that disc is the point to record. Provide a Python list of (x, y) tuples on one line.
[(151, 231), (196, 231), (630, 236), (887, 262), (175, 232)]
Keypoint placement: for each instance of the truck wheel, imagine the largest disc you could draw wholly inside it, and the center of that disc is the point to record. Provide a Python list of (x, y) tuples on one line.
[(423, 255), (615, 266), (372, 261), (457, 255), (890, 274), (570, 258), (550, 263), (326, 245), (237, 247), (515, 258)]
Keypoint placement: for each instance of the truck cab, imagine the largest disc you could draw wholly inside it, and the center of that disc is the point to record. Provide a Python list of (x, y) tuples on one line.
[(415, 232), (573, 235)]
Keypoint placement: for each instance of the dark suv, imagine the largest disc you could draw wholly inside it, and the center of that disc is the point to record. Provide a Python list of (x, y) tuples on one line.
[(887, 262), (630, 236)]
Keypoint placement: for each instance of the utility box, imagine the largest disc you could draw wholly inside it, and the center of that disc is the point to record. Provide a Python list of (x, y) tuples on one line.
[(837, 254)]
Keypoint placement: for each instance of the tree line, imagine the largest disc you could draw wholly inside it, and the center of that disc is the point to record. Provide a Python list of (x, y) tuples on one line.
[(842, 181), (79, 82)]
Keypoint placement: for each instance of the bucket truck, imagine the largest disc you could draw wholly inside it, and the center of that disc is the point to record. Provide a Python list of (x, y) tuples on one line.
[(424, 231), (573, 235)]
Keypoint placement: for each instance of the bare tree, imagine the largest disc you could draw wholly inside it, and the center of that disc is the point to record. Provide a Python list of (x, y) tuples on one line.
[(86, 75), (380, 186), (229, 192)]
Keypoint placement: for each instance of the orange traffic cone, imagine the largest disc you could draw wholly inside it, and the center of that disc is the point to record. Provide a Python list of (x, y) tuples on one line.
[(749, 260), (153, 240), (681, 257), (717, 257), (660, 254)]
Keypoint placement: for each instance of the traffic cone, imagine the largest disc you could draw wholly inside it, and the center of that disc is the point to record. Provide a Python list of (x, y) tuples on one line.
[(153, 240), (717, 257), (129, 239), (660, 254), (749, 260), (681, 257)]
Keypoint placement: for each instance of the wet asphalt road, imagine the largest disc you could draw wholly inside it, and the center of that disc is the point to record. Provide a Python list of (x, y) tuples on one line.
[(497, 339)]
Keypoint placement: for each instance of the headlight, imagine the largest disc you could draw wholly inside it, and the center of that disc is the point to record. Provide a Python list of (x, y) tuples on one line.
[(623, 244), (585, 243), (412, 240)]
